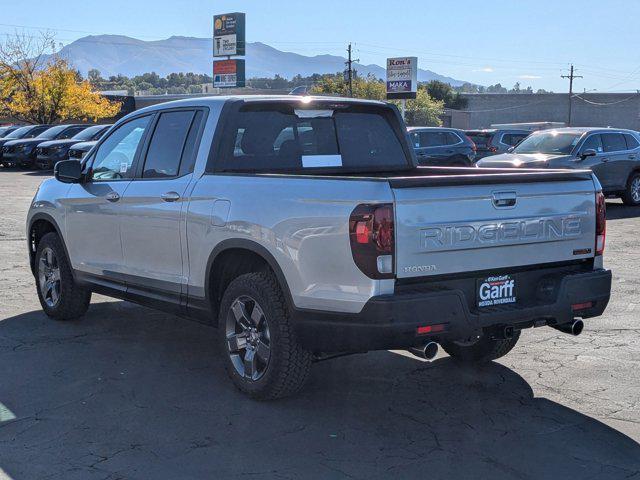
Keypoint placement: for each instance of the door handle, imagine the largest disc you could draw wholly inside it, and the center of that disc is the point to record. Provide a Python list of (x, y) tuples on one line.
[(113, 196), (604, 159), (632, 156), (170, 196)]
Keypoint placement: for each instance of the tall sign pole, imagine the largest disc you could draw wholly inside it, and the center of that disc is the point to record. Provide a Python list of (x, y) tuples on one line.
[(229, 40)]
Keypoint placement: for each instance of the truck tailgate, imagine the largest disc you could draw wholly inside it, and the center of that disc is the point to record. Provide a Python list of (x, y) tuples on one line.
[(444, 228)]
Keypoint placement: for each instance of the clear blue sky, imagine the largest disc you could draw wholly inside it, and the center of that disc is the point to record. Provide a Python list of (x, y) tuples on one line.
[(531, 42)]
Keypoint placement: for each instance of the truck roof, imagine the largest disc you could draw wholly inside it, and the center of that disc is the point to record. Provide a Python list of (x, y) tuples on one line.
[(218, 101)]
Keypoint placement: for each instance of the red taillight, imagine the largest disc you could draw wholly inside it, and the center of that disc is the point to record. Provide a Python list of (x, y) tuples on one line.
[(581, 306), (601, 222), (474, 147), (372, 239)]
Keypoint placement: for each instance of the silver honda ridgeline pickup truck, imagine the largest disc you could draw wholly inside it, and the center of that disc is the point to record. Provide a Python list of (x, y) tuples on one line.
[(302, 228)]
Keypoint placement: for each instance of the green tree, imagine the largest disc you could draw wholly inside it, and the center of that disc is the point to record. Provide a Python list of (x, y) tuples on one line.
[(445, 93), (423, 111)]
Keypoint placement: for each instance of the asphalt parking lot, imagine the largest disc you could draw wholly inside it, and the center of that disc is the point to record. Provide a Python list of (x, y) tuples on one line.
[(131, 393)]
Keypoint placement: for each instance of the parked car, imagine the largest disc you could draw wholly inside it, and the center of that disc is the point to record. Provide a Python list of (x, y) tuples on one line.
[(494, 141), (329, 242), (48, 153), (80, 150), (23, 152), (435, 146), (7, 129), (7, 157), (612, 154)]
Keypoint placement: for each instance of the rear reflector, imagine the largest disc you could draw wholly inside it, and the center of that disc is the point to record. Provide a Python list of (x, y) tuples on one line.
[(581, 306), (601, 222), (431, 328)]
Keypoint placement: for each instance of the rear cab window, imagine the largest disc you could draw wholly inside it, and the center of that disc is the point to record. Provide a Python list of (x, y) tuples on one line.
[(293, 137)]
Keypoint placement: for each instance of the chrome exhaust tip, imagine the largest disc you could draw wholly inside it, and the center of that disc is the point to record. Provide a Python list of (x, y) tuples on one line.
[(428, 351), (573, 328)]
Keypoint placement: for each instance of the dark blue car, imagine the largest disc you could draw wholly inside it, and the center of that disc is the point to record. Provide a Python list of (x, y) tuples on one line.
[(436, 146)]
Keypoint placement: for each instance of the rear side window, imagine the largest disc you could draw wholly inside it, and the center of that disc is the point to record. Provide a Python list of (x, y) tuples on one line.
[(613, 142), (283, 137), (438, 139), (632, 143), (166, 146)]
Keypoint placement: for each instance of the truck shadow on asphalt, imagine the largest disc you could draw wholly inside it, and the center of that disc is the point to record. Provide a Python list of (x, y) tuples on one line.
[(619, 211), (132, 393)]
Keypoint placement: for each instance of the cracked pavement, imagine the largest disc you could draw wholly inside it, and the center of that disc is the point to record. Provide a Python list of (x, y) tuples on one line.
[(132, 393)]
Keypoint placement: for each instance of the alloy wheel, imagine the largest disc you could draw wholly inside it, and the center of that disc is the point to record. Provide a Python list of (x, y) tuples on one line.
[(635, 189), (248, 338), (49, 277)]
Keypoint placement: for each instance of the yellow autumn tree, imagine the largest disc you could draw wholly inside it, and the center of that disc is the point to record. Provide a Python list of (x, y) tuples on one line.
[(36, 87)]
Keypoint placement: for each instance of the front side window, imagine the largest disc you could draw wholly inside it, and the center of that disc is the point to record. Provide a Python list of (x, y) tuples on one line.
[(36, 131), (613, 142), (114, 157), (52, 132), (282, 137), (71, 132), (593, 142), (167, 143), (88, 133), (551, 143)]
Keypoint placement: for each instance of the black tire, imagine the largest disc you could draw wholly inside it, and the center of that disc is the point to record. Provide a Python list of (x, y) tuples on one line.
[(628, 194), (484, 350), (288, 363), (72, 301)]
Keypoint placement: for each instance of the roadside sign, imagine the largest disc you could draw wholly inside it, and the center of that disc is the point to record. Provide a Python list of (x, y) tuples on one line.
[(228, 73), (402, 77), (228, 34)]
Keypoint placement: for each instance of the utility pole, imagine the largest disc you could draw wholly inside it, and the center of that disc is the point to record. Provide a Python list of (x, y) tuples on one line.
[(571, 76), (350, 70)]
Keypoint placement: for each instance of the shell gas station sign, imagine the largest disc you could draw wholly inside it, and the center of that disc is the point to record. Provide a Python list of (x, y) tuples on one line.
[(229, 40)]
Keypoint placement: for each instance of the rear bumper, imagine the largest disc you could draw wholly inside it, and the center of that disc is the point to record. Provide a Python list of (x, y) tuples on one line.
[(391, 321)]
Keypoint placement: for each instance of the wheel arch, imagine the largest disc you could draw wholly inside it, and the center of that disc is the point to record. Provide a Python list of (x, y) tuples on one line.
[(234, 257), (39, 225)]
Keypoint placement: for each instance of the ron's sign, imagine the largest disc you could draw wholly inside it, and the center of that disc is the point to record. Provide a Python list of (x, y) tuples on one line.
[(228, 73), (229, 34), (402, 77)]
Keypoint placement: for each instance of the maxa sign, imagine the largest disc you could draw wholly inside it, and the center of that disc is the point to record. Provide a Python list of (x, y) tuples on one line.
[(402, 77)]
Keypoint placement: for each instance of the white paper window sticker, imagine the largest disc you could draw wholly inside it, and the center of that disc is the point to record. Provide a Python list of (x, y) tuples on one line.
[(124, 167), (315, 161)]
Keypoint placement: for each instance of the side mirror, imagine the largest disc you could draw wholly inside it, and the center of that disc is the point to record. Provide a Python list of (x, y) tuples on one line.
[(68, 171), (589, 152), (511, 149)]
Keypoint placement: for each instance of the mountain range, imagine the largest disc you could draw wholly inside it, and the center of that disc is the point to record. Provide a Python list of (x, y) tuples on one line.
[(118, 54)]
